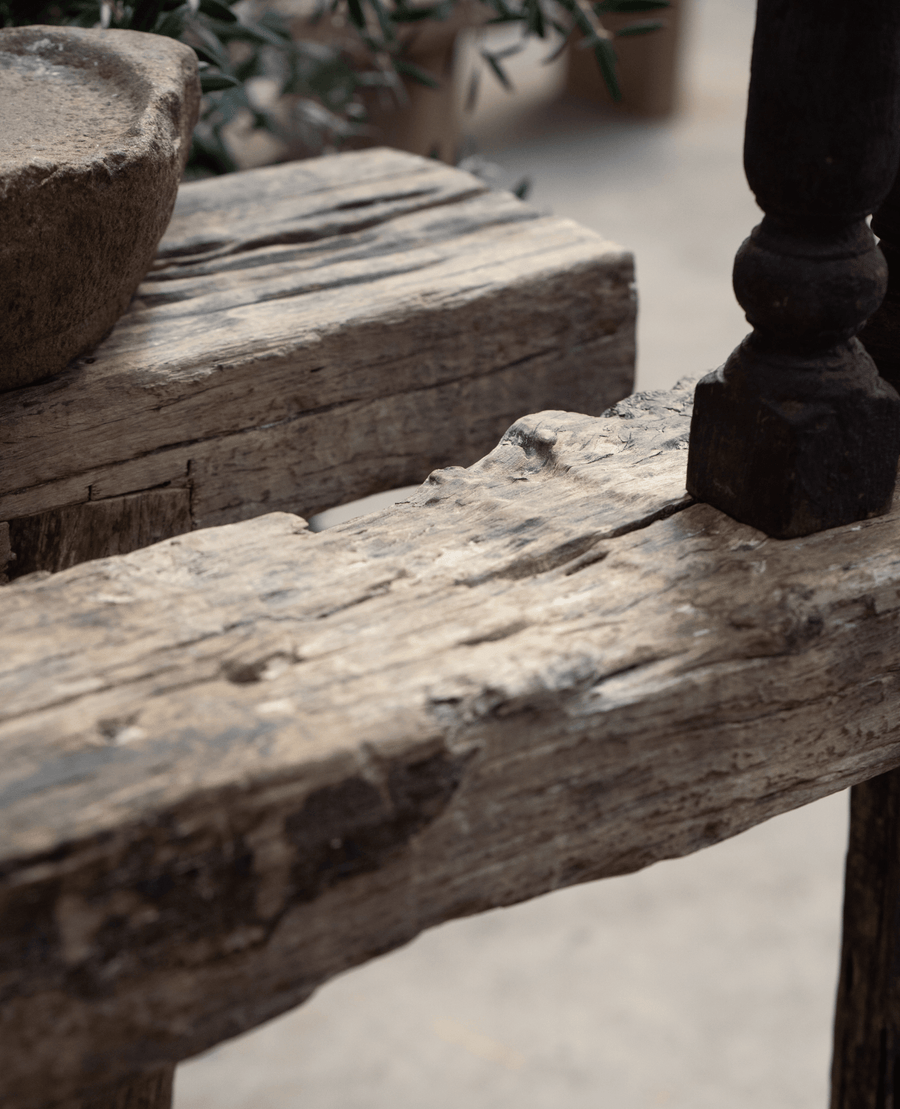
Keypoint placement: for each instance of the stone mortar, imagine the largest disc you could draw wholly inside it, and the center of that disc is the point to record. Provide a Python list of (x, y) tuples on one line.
[(95, 129)]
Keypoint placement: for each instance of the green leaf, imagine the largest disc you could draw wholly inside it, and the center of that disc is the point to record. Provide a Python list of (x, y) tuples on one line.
[(409, 69), (437, 12), (534, 18), (209, 152), (256, 32), (212, 82), (606, 60), (144, 15), (357, 16), (640, 29), (171, 24), (499, 72), (630, 5), (472, 91), (384, 20), (206, 55), (208, 47), (215, 9)]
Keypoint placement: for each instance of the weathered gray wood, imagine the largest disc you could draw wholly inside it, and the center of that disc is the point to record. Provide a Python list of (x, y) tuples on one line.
[(322, 330), (242, 760)]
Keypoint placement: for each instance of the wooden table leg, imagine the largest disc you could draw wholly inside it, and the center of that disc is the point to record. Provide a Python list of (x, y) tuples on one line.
[(865, 1072), (150, 1090)]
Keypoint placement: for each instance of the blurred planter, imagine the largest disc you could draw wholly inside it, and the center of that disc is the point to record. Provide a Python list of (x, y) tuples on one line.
[(429, 121), (422, 120), (649, 66)]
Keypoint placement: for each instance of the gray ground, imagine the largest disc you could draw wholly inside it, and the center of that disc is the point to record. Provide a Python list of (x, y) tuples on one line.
[(702, 983)]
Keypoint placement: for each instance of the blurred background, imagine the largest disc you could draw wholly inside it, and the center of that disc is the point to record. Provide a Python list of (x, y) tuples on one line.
[(700, 983)]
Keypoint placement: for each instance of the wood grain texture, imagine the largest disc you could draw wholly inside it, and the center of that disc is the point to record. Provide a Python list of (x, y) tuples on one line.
[(64, 537), (242, 760), (318, 331)]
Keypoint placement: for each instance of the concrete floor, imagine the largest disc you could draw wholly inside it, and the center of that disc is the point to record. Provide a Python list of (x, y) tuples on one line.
[(701, 983)]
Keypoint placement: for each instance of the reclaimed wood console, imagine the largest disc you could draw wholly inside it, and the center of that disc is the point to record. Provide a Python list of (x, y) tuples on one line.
[(244, 759), (247, 757)]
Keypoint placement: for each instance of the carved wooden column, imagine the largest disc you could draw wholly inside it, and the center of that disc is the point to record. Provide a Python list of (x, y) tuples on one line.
[(797, 432)]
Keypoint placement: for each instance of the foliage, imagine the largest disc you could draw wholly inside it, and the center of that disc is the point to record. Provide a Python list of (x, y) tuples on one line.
[(324, 81)]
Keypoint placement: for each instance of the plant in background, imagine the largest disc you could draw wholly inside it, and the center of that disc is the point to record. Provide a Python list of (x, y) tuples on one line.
[(237, 41)]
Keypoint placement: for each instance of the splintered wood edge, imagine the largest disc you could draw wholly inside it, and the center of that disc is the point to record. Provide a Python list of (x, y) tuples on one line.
[(239, 762)]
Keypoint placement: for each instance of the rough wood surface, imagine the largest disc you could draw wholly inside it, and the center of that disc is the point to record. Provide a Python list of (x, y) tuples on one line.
[(866, 1065), (322, 330), (244, 759)]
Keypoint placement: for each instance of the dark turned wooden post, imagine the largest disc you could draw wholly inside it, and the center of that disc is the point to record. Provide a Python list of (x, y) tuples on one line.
[(866, 1065), (797, 432), (150, 1090)]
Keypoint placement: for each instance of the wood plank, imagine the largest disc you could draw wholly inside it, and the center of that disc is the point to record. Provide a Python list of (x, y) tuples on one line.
[(242, 760), (321, 330)]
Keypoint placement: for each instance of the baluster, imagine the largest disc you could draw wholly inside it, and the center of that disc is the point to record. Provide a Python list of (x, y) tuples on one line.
[(797, 432)]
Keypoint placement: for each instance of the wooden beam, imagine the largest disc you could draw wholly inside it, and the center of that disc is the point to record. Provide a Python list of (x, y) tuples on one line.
[(242, 760), (315, 332)]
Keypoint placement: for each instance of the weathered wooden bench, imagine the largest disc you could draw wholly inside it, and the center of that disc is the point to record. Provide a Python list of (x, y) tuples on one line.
[(247, 757), (309, 333)]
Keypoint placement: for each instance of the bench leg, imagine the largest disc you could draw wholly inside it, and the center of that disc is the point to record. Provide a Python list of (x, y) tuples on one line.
[(865, 1071), (150, 1090)]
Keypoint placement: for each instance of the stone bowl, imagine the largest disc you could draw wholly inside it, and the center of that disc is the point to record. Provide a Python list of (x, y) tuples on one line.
[(95, 129)]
